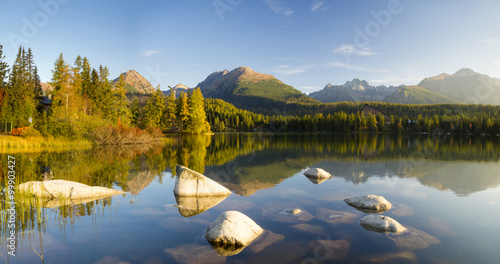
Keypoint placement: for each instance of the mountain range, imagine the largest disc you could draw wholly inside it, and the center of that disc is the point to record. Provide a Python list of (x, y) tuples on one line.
[(251, 90), (245, 88)]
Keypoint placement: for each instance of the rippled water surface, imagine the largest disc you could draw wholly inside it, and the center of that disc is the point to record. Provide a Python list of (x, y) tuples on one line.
[(445, 190)]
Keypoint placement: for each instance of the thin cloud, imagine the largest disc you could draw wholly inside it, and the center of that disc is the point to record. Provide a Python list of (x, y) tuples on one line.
[(350, 49), (497, 62), (289, 70), (279, 7), (354, 67), (318, 6), (148, 53)]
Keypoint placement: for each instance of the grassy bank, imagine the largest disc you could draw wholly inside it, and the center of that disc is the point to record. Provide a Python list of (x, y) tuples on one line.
[(13, 144)]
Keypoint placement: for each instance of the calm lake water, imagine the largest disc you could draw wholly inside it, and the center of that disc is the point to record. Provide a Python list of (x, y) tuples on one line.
[(445, 189)]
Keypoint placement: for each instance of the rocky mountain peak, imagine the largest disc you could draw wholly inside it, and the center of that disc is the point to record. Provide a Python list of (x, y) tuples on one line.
[(465, 72), (357, 85), (141, 84), (180, 86)]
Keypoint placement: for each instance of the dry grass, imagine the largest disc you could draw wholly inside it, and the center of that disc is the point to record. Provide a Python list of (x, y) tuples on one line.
[(13, 144)]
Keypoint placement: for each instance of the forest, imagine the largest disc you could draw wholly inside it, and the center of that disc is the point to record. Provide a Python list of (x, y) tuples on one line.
[(85, 103)]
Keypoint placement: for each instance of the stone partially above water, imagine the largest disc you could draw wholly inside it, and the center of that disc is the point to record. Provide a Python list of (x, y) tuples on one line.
[(61, 189), (381, 224), (369, 203), (317, 173), (231, 232), (191, 183)]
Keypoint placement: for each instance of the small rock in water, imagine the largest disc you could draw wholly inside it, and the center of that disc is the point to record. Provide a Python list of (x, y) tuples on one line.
[(369, 203), (317, 173), (381, 224), (291, 211)]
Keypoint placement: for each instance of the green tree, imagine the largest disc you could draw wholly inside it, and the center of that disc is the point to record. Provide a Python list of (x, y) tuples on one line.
[(20, 102), (135, 111), (183, 111), (121, 101), (170, 112), (154, 109), (4, 69), (197, 120)]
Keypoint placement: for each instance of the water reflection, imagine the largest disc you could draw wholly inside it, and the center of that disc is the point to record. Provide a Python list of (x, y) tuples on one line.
[(246, 164)]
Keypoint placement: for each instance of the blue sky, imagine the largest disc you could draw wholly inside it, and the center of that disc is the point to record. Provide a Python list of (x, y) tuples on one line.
[(304, 43)]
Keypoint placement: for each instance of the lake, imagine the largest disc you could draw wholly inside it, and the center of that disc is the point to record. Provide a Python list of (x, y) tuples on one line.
[(443, 188)]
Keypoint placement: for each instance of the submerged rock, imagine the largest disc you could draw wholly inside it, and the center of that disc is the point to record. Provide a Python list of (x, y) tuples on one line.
[(405, 257), (334, 217), (402, 210), (266, 239), (317, 173), (193, 253), (110, 260), (191, 183), (311, 229), (381, 224), (61, 189), (332, 251), (231, 232), (369, 203), (193, 205), (413, 239)]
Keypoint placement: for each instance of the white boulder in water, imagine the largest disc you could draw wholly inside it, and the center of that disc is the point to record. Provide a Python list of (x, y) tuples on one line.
[(317, 173), (191, 183), (381, 224), (369, 203), (232, 231)]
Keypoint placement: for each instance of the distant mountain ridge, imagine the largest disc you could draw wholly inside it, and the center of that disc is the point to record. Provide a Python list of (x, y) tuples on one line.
[(352, 91), (136, 83), (466, 86)]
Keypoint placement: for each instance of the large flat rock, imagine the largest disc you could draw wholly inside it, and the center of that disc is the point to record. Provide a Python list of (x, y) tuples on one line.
[(61, 189), (191, 183)]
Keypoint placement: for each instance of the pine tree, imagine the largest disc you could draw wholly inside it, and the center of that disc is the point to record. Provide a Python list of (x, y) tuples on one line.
[(135, 112), (121, 101), (63, 93), (20, 93), (183, 111), (154, 109), (197, 116), (4, 69), (170, 112)]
